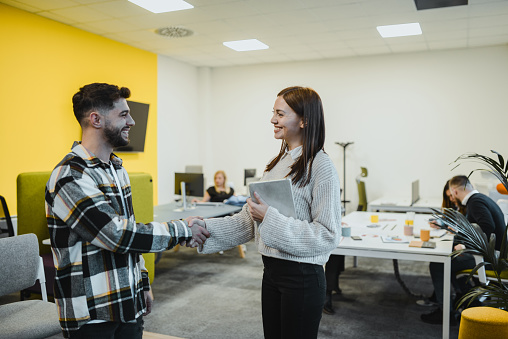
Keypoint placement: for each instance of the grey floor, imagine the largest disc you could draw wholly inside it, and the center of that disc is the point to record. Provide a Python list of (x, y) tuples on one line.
[(218, 297)]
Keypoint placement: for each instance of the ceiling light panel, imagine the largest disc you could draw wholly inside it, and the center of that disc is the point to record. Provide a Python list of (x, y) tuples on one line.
[(162, 6), (245, 45), (392, 31)]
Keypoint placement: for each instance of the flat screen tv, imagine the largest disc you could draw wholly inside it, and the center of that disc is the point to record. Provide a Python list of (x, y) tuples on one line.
[(137, 134)]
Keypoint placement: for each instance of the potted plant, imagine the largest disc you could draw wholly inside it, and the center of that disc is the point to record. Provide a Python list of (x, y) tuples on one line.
[(476, 241)]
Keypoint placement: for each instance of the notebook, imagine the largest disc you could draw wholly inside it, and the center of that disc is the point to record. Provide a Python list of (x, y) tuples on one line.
[(276, 193)]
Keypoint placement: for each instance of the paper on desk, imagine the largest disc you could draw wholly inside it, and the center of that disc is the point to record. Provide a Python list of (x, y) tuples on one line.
[(394, 239)]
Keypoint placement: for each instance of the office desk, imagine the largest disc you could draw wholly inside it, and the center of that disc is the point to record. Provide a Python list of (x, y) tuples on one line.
[(404, 205), (372, 246), (167, 212)]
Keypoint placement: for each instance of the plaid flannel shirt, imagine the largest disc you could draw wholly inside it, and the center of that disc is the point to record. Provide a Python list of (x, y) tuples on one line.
[(92, 238)]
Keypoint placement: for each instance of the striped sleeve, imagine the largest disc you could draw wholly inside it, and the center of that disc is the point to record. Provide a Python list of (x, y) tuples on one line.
[(89, 211)]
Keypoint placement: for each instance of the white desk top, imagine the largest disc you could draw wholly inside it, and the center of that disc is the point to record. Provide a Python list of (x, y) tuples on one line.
[(390, 224), (399, 204)]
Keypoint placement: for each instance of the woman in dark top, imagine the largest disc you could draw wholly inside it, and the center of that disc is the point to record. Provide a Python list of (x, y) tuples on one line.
[(220, 191)]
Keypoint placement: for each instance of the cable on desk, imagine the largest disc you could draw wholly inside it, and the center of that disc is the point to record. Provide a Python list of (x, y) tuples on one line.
[(402, 283)]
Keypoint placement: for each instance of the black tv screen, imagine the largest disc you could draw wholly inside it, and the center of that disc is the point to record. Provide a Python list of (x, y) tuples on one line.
[(139, 113)]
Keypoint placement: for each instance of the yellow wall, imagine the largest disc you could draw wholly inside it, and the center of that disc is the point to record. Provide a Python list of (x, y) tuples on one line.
[(42, 64)]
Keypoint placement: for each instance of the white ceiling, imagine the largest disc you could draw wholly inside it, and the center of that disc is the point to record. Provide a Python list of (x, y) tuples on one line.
[(294, 29)]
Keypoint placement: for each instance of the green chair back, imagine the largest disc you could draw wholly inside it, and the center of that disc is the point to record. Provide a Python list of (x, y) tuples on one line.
[(142, 202), (31, 210)]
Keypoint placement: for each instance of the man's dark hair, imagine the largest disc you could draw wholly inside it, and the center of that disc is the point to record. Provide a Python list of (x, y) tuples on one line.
[(96, 97), (460, 181)]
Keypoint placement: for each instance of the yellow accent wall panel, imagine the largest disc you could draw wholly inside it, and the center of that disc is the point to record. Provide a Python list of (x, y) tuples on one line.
[(42, 64)]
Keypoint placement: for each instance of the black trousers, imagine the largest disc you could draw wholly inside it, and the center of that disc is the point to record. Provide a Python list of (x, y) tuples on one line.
[(292, 296), (110, 330), (333, 268)]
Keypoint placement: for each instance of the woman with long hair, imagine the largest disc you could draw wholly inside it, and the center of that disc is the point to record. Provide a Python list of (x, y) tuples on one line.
[(293, 250)]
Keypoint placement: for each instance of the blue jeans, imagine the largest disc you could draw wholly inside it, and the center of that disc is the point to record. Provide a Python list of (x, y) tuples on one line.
[(293, 296), (110, 330)]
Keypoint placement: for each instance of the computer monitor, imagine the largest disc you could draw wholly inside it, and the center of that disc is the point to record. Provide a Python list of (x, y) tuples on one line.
[(415, 191), (248, 173), (189, 184)]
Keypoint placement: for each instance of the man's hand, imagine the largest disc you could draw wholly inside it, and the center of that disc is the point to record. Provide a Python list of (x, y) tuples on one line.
[(459, 247), (434, 224), (191, 243), (148, 302), (257, 210), (199, 231)]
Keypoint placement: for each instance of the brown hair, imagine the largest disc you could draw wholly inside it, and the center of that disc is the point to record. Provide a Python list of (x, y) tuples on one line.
[(307, 105)]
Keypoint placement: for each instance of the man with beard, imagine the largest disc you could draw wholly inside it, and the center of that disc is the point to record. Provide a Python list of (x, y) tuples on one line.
[(480, 209), (101, 285)]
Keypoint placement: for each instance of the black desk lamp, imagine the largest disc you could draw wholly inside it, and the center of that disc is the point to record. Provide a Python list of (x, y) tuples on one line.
[(344, 145)]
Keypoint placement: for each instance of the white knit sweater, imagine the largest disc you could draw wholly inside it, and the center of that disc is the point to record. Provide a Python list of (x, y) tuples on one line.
[(309, 239)]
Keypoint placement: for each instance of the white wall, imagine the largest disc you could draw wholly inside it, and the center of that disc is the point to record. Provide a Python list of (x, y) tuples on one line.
[(179, 128), (409, 116)]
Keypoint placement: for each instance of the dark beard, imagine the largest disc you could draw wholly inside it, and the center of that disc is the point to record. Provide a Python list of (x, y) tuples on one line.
[(114, 136)]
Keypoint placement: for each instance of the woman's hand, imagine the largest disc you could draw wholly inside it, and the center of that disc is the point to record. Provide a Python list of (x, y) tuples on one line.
[(257, 210)]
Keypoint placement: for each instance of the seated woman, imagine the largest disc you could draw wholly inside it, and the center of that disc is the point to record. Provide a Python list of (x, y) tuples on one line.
[(220, 191)]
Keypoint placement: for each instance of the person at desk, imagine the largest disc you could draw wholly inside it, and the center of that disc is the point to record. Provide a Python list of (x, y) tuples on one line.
[(480, 209), (448, 202), (101, 284), (293, 250), (220, 191)]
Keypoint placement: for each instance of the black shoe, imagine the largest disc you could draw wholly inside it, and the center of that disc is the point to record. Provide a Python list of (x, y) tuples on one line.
[(436, 318), (342, 297), (328, 307)]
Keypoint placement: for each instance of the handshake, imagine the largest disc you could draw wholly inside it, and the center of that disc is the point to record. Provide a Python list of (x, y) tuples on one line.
[(199, 232)]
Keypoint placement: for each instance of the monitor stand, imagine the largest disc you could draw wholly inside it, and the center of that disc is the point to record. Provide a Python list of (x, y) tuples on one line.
[(184, 199)]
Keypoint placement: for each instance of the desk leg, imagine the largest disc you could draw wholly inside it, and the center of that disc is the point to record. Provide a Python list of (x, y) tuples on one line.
[(446, 298), (240, 250)]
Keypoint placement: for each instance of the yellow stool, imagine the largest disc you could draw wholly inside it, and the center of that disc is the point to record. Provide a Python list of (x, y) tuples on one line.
[(483, 322)]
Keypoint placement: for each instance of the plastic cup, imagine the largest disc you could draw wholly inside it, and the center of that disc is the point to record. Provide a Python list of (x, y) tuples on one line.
[(374, 218), (408, 230), (410, 217), (346, 231), (425, 234)]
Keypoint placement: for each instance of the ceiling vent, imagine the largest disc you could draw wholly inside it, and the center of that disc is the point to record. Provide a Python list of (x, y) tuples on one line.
[(174, 32)]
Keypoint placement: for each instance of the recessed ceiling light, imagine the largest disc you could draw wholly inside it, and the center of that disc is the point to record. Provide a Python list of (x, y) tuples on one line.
[(162, 6), (392, 31), (245, 45)]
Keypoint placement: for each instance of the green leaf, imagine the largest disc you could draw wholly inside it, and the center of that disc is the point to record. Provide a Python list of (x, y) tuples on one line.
[(500, 157)]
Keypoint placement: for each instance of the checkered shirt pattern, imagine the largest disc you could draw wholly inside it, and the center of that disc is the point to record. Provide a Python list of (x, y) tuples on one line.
[(92, 237)]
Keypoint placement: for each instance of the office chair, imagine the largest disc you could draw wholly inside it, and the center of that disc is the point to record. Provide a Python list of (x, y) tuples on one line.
[(362, 193), (21, 267), (4, 212), (30, 190)]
